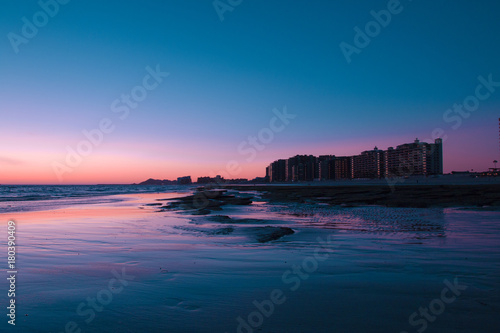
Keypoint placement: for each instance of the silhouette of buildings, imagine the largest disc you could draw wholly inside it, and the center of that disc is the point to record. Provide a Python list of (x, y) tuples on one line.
[(220, 180), (417, 158), (369, 164), (277, 171), (326, 167), (186, 180), (343, 167), (301, 168)]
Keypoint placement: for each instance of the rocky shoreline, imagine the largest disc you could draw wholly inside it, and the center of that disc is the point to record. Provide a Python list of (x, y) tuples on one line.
[(206, 201), (417, 196), (205, 205)]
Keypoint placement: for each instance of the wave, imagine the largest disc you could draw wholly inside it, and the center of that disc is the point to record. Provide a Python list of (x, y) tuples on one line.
[(30, 193), (27, 198)]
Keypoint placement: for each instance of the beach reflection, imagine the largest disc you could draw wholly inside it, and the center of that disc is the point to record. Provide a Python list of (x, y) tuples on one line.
[(400, 222)]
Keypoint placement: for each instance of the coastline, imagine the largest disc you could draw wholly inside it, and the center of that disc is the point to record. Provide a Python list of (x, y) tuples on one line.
[(416, 195)]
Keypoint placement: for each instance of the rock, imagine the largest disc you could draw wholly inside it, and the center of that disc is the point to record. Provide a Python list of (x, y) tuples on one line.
[(222, 231), (201, 212), (220, 218), (267, 234)]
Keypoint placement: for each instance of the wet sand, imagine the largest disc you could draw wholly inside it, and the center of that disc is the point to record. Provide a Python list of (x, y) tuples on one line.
[(343, 269)]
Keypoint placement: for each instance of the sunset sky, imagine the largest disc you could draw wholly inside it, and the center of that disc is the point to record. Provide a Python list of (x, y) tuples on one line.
[(225, 78)]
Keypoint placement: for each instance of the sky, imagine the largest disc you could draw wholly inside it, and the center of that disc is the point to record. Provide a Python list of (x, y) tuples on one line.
[(122, 91)]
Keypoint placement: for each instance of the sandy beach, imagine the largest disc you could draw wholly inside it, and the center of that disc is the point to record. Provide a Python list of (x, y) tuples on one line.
[(127, 265)]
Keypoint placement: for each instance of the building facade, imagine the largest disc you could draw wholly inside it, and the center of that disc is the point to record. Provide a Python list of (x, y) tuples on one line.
[(369, 164), (301, 168), (277, 171), (416, 158), (343, 167), (326, 167)]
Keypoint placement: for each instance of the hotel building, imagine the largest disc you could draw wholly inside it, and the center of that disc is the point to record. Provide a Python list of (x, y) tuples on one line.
[(417, 158)]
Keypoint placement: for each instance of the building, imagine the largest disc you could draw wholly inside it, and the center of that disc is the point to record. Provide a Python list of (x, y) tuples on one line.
[(186, 180), (343, 167), (416, 158), (436, 162), (369, 164), (277, 171), (300, 168), (390, 162), (326, 167)]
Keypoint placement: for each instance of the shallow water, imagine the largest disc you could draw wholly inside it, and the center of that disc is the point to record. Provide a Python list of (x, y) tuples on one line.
[(360, 269)]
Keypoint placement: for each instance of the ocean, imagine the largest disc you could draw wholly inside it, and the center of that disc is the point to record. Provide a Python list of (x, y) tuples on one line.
[(21, 198)]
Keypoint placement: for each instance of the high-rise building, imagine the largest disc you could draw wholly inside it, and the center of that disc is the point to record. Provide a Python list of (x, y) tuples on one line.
[(326, 167), (369, 164), (417, 158), (343, 167), (436, 165), (277, 171), (391, 162), (301, 168)]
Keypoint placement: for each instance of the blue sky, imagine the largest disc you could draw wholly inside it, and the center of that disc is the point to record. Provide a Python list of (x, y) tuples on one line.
[(227, 76)]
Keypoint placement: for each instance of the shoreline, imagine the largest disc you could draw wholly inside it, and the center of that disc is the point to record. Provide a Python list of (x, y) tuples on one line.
[(415, 196)]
